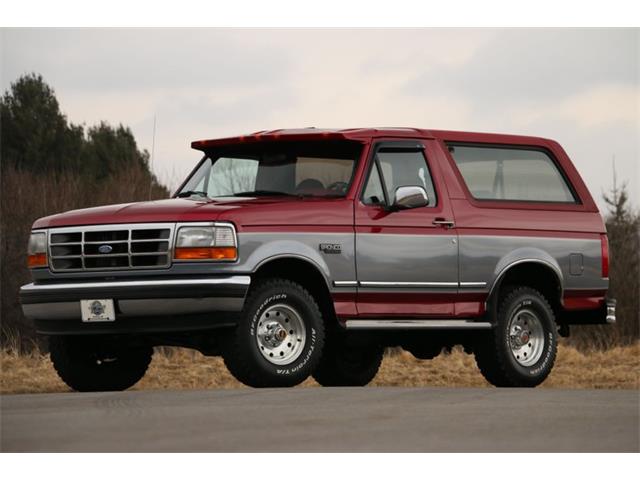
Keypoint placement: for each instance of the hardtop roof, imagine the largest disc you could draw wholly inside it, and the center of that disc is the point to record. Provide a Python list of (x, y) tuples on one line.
[(363, 135)]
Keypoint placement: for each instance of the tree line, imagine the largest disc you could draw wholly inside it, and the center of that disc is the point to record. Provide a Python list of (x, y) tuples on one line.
[(37, 137)]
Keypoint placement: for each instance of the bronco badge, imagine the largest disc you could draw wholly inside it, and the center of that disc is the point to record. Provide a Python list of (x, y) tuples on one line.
[(331, 248)]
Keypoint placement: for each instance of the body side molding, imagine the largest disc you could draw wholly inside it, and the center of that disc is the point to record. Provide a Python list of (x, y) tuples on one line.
[(412, 324), (355, 283)]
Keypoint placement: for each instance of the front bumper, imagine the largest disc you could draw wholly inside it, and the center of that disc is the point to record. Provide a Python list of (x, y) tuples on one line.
[(140, 305)]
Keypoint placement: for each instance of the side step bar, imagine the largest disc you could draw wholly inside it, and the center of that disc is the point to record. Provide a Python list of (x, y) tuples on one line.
[(382, 324)]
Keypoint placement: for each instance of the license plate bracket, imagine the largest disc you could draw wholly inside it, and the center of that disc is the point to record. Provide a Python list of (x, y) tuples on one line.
[(98, 310)]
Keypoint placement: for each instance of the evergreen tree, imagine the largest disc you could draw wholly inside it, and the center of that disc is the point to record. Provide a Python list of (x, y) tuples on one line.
[(111, 150), (35, 134)]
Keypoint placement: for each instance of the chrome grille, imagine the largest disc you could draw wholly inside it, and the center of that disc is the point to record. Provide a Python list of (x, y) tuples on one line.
[(111, 247)]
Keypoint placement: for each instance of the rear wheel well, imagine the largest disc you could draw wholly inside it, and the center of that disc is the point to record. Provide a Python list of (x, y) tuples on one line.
[(305, 274), (530, 274)]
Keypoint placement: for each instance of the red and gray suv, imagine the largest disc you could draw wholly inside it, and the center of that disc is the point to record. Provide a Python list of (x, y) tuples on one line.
[(306, 252)]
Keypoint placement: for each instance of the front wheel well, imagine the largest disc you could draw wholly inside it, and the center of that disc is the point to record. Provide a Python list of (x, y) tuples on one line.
[(305, 274), (538, 276)]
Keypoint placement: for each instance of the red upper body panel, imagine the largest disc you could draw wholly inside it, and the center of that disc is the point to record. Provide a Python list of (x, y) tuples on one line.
[(245, 212), (322, 212)]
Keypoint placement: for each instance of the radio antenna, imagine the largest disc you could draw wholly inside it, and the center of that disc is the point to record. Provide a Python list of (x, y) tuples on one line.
[(153, 148)]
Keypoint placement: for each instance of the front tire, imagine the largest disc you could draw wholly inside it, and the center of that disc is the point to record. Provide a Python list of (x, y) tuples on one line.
[(280, 339), (92, 365), (521, 349)]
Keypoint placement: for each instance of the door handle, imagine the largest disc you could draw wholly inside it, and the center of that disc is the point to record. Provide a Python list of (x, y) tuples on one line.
[(444, 222)]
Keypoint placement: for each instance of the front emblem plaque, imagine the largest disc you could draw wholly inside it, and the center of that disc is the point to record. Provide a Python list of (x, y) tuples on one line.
[(97, 308)]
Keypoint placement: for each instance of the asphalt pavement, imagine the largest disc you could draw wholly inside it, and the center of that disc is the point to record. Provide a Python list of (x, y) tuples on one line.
[(324, 420)]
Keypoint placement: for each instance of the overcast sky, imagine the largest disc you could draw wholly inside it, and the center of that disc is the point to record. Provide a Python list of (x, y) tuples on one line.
[(580, 87)]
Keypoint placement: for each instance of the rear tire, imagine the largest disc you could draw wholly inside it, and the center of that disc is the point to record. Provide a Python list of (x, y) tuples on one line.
[(521, 349), (279, 341), (92, 365), (346, 366)]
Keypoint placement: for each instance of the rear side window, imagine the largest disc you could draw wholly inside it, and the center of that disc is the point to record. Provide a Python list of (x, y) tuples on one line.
[(520, 174)]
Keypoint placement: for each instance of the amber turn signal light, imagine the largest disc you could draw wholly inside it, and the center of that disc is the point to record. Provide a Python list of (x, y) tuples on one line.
[(206, 253), (37, 250), (37, 260)]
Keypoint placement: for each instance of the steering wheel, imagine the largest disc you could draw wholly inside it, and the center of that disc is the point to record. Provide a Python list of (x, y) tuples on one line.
[(338, 187)]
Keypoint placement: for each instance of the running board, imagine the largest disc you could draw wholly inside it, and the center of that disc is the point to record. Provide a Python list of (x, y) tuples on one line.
[(416, 325)]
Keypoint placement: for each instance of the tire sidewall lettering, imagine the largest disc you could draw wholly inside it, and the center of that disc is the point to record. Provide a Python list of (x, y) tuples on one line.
[(542, 364), (260, 309)]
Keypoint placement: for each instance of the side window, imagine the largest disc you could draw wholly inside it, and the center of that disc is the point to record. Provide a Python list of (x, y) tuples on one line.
[(400, 168), (493, 173)]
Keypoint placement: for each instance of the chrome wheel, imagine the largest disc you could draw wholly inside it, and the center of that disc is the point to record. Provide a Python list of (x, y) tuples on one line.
[(526, 337), (280, 334)]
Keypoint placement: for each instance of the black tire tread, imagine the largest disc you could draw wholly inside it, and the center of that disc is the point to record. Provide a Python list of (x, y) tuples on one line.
[(235, 356), (84, 378), (489, 355)]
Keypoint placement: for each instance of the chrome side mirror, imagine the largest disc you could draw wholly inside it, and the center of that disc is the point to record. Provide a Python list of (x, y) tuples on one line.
[(410, 197)]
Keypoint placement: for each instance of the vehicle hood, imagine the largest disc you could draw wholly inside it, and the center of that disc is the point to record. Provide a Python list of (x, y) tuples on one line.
[(241, 211)]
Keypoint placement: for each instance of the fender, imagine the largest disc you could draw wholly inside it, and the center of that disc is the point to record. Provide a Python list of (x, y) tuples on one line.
[(285, 256), (257, 248), (518, 257)]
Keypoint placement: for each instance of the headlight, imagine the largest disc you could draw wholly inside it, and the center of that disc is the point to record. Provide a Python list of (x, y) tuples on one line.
[(206, 243), (37, 250)]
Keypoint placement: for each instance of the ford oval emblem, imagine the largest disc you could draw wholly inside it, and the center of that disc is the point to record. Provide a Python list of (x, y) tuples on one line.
[(105, 249)]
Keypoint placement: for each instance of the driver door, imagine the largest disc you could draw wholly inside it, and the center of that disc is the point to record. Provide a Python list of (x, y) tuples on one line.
[(406, 260)]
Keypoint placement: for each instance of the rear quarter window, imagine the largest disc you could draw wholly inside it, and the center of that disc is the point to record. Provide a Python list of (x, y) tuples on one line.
[(517, 174)]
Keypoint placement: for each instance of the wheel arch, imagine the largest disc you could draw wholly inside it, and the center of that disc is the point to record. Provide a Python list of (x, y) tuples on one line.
[(303, 271), (543, 274)]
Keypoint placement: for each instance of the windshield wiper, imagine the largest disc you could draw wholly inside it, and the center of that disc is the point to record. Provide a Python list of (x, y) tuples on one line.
[(190, 193), (263, 193)]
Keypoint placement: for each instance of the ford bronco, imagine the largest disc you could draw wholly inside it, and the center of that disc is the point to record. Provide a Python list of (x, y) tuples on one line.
[(306, 252)]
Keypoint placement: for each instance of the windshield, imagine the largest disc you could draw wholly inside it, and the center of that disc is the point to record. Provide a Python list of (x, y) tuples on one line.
[(316, 169)]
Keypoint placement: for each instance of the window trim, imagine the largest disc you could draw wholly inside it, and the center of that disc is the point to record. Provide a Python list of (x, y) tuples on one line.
[(400, 145), (188, 177), (376, 165), (501, 201)]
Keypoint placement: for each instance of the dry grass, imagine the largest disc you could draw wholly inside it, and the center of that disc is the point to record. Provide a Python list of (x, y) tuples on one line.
[(186, 369)]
